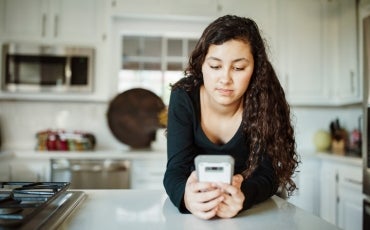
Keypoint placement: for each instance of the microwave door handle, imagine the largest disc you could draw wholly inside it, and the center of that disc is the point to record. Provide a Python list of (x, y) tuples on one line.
[(68, 72)]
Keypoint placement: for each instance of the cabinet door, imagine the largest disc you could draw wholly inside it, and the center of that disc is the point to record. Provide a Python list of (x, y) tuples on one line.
[(27, 19), (308, 193), (147, 174), (75, 20), (51, 20), (348, 78), (350, 198), (300, 35), (328, 194), (30, 170), (4, 171), (164, 7), (350, 208)]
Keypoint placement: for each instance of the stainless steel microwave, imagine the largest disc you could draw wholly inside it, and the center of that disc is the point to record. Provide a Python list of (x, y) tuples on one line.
[(41, 68)]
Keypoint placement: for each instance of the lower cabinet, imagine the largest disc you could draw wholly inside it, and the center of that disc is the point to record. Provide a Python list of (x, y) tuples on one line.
[(330, 187), (147, 173), (341, 194), (306, 179), (29, 170), (328, 192), (4, 171), (349, 198)]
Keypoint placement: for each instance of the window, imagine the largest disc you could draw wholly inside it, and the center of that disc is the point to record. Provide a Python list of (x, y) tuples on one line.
[(153, 62)]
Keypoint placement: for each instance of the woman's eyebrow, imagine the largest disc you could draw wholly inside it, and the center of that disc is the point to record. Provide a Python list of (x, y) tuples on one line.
[(241, 59), (213, 58), (235, 60)]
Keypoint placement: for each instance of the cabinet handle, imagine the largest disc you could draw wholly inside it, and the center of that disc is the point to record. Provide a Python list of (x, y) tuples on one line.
[(352, 76), (352, 181), (56, 23), (43, 29)]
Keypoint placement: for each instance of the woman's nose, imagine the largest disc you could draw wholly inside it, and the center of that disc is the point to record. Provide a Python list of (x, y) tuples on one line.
[(225, 76)]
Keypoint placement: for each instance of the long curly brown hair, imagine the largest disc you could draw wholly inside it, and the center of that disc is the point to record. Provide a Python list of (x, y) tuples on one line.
[(266, 115)]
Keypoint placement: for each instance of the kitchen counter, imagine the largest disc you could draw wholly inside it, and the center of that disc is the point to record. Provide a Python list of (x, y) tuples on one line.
[(350, 160), (98, 154), (329, 156), (151, 209)]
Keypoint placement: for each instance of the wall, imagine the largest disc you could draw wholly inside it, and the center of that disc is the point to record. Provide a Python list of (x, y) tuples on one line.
[(309, 120), (21, 120)]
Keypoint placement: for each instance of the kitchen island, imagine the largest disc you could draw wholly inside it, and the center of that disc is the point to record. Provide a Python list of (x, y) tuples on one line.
[(151, 209)]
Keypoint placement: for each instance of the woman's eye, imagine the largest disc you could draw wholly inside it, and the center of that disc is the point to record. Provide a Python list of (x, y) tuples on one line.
[(215, 67), (239, 68)]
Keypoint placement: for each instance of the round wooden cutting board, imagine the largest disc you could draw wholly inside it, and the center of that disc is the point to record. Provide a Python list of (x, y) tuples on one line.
[(133, 117)]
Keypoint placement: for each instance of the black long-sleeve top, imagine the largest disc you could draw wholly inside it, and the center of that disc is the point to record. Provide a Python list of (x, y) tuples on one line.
[(186, 140)]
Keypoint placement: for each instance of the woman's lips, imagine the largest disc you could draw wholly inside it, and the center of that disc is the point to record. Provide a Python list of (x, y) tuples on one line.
[(225, 92)]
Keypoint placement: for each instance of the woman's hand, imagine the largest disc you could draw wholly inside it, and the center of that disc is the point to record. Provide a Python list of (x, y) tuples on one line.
[(233, 198), (202, 199)]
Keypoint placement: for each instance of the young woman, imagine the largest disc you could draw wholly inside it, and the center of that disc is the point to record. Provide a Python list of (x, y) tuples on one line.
[(229, 102)]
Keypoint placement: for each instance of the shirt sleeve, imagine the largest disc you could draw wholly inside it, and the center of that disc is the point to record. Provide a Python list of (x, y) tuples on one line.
[(180, 147)]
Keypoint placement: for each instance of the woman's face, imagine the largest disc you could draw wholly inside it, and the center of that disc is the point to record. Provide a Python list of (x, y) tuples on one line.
[(227, 70)]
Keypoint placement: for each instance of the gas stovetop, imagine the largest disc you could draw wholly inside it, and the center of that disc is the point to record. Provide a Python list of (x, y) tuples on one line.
[(40, 205)]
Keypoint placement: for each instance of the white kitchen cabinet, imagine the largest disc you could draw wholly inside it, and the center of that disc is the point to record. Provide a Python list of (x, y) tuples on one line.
[(147, 173), (70, 21), (34, 170), (164, 7), (4, 171), (342, 60), (308, 193), (350, 198), (24, 18), (318, 57), (328, 192), (300, 33), (341, 194)]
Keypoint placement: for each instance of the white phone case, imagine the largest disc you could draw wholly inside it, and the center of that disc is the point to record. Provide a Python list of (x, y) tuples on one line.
[(214, 168)]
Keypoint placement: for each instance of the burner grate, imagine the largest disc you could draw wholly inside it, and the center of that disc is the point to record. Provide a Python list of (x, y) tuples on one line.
[(20, 201)]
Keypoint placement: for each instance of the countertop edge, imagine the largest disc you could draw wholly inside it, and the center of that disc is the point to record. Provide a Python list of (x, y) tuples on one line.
[(328, 156), (99, 154)]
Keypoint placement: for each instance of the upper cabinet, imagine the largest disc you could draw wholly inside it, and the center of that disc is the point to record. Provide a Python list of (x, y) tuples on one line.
[(49, 21), (318, 54), (204, 8), (342, 37), (300, 68)]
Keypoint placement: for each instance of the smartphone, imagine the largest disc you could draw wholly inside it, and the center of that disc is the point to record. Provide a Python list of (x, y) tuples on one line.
[(214, 168)]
